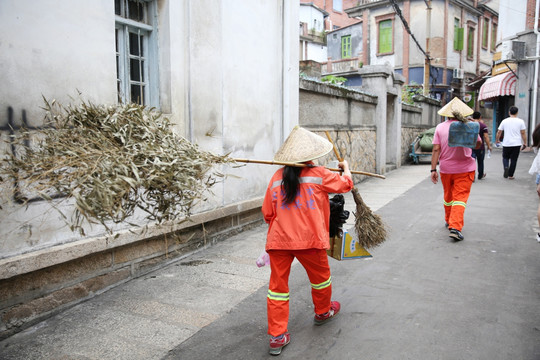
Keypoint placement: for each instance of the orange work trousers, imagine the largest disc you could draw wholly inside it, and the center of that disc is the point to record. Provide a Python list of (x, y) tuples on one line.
[(315, 262), (457, 188)]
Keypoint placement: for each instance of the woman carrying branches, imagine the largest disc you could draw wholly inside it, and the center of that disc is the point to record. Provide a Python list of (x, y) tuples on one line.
[(297, 209)]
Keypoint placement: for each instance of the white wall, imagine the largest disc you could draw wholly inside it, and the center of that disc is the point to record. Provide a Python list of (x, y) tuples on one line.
[(512, 18), (228, 80), (316, 52), (54, 48), (453, 57), (313, 17), (418, 27)]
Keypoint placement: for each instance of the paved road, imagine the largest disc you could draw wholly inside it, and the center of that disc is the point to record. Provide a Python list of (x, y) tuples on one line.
[(422, 296)]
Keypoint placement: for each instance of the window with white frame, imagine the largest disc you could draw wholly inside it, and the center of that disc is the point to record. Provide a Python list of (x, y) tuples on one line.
[(136, 59)]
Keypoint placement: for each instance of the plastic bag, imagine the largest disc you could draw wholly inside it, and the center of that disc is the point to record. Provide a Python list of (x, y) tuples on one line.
[(263, 259)]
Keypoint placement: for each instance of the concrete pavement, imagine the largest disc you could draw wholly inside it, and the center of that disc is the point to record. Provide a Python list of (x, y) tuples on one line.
[(422, 296)]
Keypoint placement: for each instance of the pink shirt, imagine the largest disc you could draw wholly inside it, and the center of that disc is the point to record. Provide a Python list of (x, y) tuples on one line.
[(452, 160)]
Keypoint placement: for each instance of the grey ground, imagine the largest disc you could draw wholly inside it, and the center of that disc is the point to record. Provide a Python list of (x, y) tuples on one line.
[(421, 296)]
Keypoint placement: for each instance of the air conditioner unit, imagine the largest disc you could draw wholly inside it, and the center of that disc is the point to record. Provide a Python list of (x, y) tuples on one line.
[(458, 74), (518, 47), (512, 50)]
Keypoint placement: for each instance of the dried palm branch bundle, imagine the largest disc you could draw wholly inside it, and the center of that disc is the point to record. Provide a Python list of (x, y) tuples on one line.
[(369, 226), (111, 160)]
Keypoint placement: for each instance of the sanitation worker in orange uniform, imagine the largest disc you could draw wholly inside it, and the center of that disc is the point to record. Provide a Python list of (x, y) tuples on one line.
[(297, 209), (457, 168)]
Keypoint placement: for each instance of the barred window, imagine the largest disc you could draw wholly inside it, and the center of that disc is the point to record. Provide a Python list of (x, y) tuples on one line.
[(136, 59)]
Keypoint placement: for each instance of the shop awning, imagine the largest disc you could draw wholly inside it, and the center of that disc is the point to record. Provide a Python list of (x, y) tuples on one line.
[(499, 85)]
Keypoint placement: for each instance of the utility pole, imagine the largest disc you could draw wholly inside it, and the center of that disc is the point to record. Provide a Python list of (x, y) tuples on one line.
[(428, 37)]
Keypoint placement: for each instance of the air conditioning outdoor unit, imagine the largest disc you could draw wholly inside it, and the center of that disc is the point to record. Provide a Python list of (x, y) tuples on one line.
[(518, 47), (458, 74), (512, 50)]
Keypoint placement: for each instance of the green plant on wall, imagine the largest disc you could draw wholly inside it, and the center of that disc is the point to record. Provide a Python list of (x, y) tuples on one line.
[(331, 79), (409, 91)]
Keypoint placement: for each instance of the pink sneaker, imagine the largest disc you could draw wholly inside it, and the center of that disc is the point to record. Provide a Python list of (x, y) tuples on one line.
[(278, 343), (334, 310)]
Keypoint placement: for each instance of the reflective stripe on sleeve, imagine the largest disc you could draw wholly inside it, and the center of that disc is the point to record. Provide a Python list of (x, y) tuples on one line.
[(303, 180), (311, 180)]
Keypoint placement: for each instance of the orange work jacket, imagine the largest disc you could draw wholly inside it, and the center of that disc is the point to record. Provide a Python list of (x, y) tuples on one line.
[(304, 223)]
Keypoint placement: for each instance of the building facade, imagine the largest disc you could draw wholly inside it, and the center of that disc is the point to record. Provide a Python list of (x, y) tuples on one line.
[(459, 47), (312, 33)]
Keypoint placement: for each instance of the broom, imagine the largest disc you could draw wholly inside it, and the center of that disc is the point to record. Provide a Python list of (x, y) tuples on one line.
[(370, 229)]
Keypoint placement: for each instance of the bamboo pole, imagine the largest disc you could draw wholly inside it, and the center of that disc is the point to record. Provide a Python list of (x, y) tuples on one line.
[(334, 146), (304, 165)]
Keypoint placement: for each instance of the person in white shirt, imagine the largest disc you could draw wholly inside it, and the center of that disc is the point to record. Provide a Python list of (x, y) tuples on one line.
[(514, 140)]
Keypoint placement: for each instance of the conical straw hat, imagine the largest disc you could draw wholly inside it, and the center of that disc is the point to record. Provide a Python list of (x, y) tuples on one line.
[(455, 105), (302, 145)]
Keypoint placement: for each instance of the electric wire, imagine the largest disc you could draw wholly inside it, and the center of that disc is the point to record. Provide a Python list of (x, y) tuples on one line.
[(406, 26)]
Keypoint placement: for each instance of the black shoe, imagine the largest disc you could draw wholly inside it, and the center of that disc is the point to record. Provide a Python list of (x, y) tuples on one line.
[(445, 224), (505, 175), (456, 235)]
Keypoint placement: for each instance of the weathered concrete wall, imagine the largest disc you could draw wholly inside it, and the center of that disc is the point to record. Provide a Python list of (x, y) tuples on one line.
[(334, 106), (37, 59)]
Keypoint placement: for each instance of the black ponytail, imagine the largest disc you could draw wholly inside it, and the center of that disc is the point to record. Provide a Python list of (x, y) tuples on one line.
[(291, 182)]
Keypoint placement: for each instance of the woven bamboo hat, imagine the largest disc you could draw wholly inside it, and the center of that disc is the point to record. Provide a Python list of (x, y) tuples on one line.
[(457, 106), (302, 145)]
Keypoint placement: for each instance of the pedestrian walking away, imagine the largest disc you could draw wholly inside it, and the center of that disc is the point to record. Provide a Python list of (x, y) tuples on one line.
[(514, 140), (535, 170), (456, 166), (479, 154), (296, 207)]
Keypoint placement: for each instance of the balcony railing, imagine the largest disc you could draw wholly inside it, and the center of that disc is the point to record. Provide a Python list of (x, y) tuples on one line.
[(366, 2), (340, 66)]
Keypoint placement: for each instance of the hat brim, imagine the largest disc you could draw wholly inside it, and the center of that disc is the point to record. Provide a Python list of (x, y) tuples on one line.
[(302, 145), (455, 105)]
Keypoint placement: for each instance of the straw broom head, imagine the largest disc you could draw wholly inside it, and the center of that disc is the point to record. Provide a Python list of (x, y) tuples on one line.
[(369, 227)]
